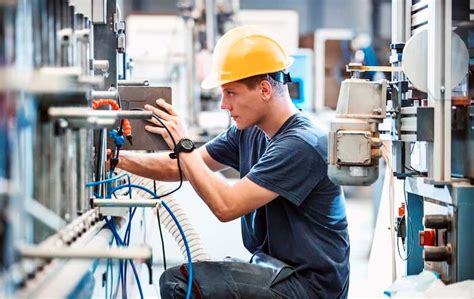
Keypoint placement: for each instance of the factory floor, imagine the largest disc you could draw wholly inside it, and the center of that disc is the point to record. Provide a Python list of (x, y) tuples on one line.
[(224, 239)]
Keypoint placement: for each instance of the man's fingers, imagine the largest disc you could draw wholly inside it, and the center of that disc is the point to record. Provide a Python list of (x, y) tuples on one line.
[(160, 113), (157, 130), (155, 122), (167, 107)]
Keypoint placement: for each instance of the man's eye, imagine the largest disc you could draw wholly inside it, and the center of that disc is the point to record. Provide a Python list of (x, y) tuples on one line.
[(230, 93)]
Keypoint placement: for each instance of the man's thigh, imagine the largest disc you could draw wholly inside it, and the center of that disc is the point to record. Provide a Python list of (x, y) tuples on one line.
[(225, 280)]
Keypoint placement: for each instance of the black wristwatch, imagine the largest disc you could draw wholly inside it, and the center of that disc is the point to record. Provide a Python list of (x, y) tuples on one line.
[(184, 145)]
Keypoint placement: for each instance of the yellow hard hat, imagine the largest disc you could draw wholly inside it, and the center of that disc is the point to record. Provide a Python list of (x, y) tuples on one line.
[(244, 52)]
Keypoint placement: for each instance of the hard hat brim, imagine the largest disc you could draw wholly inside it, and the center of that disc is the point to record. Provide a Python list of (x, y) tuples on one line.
[(213, 81)]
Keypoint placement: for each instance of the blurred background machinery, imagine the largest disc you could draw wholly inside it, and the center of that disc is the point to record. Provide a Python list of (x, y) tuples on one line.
[(65, 91), (428, 129)]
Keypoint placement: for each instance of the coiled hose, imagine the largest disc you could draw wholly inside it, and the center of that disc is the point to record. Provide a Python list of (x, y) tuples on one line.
[(198, 252)]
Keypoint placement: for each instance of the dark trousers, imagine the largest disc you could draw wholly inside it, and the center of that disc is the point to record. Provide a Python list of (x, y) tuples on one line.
[(232, 280)]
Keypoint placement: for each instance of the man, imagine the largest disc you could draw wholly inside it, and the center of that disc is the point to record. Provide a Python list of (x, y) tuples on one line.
[(293, 217)]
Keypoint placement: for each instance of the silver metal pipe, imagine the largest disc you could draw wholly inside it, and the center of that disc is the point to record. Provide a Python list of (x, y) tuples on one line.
[(439, 85), (99, 94), (126, 202), (401, 21), (211, 24), (143, 252), (133, 83), (84, 113), (66, 273), (101, 159), (193, 105), (84, 148), (102, 65)]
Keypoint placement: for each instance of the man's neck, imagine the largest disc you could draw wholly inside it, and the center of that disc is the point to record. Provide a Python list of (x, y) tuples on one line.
[(278, 115)]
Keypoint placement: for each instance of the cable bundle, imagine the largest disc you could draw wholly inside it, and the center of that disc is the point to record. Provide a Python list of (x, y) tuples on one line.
[(198, 252)]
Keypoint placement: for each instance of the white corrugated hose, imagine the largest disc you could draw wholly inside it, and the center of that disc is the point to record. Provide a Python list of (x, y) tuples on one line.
[(198, 252)]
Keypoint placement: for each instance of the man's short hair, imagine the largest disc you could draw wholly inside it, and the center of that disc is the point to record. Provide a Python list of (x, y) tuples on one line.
[(252, 82)]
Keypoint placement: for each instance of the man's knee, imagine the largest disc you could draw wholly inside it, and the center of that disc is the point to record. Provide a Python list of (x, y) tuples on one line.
[(172, 284)]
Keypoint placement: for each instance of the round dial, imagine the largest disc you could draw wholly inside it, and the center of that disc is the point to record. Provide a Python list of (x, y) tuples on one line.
[(187, 144)]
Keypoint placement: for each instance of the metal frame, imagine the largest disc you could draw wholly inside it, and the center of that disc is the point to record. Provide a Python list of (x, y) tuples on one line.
[(439, 86), (439, 193)]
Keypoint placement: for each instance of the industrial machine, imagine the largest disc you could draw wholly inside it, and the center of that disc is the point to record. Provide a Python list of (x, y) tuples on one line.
[(424, 117), (65, 92)]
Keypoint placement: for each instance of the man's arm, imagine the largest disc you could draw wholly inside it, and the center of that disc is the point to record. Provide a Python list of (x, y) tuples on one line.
[(226, 201), (159, 166)]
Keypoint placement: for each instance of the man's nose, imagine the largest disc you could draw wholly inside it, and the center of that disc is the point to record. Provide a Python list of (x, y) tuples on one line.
[(224, 103)]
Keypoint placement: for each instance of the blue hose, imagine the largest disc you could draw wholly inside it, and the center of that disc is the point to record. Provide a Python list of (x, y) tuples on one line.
[(120, 241), (92, 184), (188, 252)]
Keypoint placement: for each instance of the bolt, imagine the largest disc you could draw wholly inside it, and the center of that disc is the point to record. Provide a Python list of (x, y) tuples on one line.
[(442, 89)]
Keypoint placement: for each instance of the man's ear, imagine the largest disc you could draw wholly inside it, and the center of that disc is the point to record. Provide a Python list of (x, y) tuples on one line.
[(266, 90)]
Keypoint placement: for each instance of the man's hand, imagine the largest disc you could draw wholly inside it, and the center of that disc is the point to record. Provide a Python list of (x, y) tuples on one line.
[(170, 119)]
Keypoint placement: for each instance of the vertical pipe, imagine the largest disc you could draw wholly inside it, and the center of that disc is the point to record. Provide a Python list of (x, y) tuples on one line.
[(401, 20), (211, 24), (72, 41), (194, 103), (447, 31), (439, 85), (89, 46), (101, 159), (82, 170)]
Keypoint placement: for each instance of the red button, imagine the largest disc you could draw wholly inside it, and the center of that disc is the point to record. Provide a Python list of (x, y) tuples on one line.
[(427, 238)]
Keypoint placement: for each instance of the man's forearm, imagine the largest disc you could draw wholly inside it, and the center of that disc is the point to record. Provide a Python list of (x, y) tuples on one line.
[(212, 189), (157, 166)]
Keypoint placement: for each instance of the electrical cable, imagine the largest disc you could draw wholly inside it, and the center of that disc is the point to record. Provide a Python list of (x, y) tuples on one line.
[(133, 186), (190, 263), (188, 252), (124, 264), (120, 241), (161, 232), (92, 184), (106, 279), (198, 252), (128, 231), (120, 266), (180, 171), (127, 239), (111, 279)]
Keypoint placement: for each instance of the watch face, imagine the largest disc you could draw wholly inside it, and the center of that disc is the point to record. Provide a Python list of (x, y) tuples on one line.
[(187, 144)]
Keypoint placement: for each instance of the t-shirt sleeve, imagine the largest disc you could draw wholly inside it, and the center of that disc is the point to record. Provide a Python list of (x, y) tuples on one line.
[(290, 167), (224, 148)]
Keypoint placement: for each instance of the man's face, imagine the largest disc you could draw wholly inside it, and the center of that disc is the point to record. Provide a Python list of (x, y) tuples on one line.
[(244, 104)]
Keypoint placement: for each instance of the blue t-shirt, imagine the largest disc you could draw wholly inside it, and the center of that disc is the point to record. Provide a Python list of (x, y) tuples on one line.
[(305, 226)]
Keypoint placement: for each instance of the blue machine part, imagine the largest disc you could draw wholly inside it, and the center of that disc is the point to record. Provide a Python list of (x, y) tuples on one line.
[(415, 262), (465, 238), (301, 89), (118, 139)]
